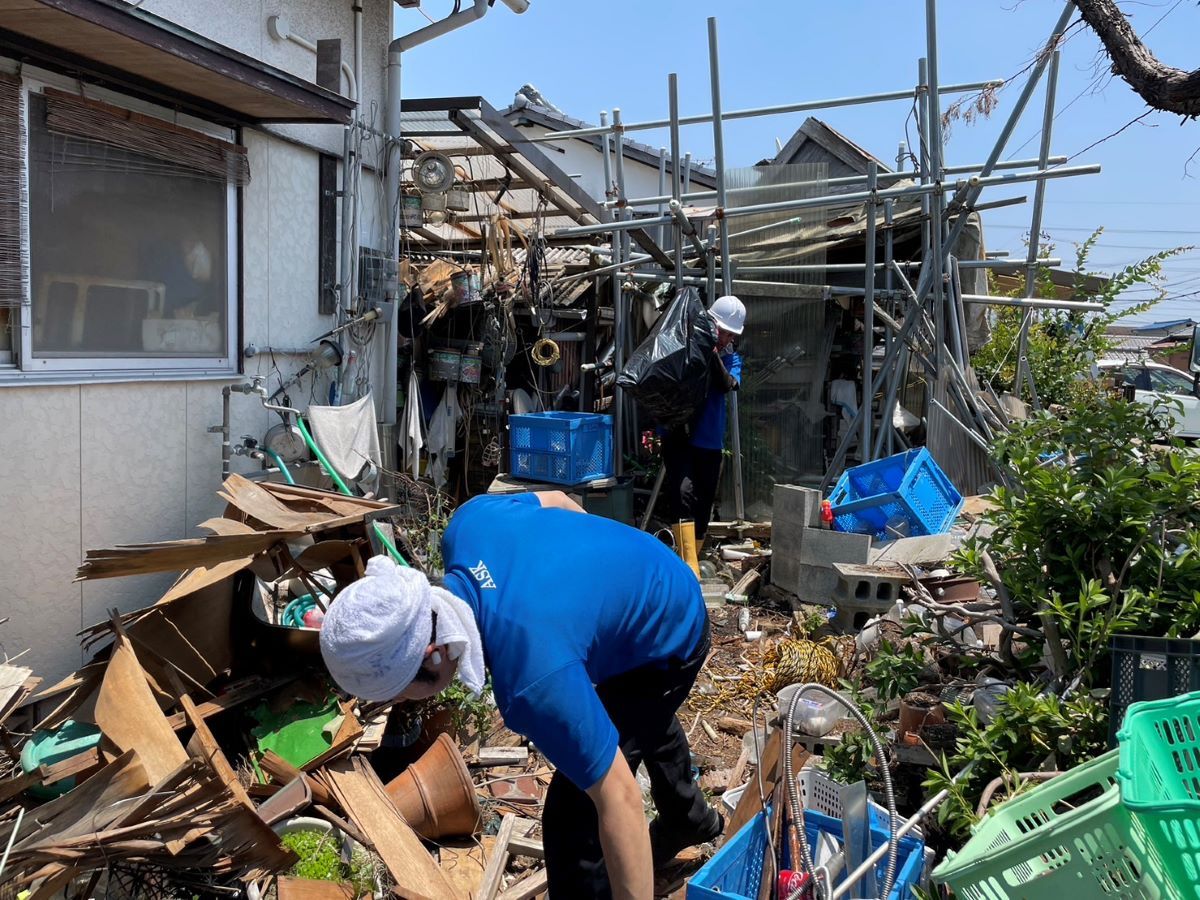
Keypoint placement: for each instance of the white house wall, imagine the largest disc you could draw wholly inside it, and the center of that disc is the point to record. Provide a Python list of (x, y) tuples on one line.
[(97, 465)]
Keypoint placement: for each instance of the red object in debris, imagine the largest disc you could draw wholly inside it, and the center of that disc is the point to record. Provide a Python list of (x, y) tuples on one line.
[(826, 513), (794, 884), (314, 618)]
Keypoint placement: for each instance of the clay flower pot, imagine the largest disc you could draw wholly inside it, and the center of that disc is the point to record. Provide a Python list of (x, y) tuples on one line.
[(435, 795)]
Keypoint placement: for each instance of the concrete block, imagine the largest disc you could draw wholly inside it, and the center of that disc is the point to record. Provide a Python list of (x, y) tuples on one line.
[(810, 584), (864, 592), (926, 550), (868, 585), (819, 547), (797, 504)]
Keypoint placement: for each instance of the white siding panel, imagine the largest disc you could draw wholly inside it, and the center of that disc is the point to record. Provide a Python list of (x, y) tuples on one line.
[(39, 526), (134, 482)]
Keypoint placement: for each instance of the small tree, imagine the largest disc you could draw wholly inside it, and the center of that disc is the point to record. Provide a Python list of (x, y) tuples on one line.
[(1063, 344)]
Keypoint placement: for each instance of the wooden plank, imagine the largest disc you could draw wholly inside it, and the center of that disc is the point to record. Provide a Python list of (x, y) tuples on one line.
[(335, 502), (527, 888), (129, 716), (362, 796), (12, 687), (756, 530), (73, 765), (205, 746), (260, 504), (236, 694), (90, 806), (490, 883), (772, 771), (522, 845), (502, 756), (10, 787), (307, 889), (347, 735), (176, 556), (463, 863)]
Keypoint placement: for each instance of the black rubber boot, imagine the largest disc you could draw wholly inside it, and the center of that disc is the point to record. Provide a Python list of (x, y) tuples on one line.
[(665, 846)]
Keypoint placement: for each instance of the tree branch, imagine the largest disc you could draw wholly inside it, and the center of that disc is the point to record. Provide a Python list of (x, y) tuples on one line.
[(1161, 86)]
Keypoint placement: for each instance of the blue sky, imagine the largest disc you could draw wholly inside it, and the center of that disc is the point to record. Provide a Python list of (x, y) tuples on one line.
[(592, 56)]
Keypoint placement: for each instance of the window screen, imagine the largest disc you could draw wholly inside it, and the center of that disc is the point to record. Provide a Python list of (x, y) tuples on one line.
[(128, 249)]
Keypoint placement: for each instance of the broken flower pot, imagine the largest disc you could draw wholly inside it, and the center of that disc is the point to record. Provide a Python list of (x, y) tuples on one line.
[(918, 710)]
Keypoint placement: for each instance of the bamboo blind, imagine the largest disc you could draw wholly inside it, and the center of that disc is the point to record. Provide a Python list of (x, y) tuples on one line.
[(198, 153), (14, 255)]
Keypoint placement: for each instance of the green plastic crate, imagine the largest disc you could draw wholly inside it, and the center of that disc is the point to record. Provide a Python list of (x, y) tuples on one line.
[(1159, 775), (1069, 837)]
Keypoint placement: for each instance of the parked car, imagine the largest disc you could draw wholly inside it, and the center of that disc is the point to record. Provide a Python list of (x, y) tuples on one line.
[(1153, 382)]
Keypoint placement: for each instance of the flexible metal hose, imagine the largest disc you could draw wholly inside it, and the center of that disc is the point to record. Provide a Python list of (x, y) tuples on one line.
[(888, 795)]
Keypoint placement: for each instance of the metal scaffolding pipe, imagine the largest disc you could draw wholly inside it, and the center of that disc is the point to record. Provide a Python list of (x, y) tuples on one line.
[(619, 318), (677, 215), (1035, 231), (763, 111), (915, 190), (714, 70), (868, 398), (844, 181), (937, 234), (662, 186), (1034, 303)]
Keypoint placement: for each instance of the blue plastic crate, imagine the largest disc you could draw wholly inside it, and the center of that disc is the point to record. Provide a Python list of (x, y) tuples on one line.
[(735, 872), (908, 486), (560, 447)]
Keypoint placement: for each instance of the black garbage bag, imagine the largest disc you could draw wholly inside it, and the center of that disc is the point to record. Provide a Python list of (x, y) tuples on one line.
[(668, 373)]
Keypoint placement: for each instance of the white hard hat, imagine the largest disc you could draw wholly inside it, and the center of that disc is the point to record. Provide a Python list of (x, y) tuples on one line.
[(729, 313)]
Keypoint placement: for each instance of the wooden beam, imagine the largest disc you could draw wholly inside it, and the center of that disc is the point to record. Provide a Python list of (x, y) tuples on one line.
[(527, 888), (362, 796), (490, 883)]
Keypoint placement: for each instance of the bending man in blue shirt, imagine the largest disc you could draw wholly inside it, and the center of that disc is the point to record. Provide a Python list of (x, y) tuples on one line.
[(593, 633), (692, 454)]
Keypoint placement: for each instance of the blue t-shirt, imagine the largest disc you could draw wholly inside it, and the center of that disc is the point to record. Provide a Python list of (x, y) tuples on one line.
[(564, 601), (708, 432)]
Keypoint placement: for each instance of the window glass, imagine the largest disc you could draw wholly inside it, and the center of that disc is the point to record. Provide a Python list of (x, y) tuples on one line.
[(1136, 376), (127, 253), (1171, 382)]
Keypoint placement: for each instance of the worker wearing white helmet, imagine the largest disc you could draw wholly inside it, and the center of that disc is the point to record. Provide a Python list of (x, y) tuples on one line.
[(692, 455)]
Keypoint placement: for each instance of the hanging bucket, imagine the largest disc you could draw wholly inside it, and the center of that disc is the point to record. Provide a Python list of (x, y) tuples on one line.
[(411, 213), (444, 365)]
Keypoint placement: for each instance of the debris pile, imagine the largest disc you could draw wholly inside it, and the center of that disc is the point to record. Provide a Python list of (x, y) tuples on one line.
[(204, 751)]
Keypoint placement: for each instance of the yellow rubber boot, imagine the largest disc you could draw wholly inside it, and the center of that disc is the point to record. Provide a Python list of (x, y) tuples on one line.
[(685, 545)]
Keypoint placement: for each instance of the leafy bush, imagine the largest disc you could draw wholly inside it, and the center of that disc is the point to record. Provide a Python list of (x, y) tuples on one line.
[(1063, 344), (1029, 727), (1099, 530)]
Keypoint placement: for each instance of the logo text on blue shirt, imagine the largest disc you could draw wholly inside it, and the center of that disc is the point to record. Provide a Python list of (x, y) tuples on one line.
[(483, 576)]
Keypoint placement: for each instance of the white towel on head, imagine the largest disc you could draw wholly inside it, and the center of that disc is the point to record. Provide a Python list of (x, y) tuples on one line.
[(376, 632), (456, 629)]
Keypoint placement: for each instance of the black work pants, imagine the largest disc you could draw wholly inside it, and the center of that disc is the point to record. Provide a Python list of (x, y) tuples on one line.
[(690, 484), (642, 705)]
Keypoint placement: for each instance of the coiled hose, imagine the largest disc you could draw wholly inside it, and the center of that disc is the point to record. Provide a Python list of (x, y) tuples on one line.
[(888, 795)]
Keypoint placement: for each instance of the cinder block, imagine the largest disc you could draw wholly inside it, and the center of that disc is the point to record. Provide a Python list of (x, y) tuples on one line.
[(820, 547), (796, 504), (864, 592), (868, 585)]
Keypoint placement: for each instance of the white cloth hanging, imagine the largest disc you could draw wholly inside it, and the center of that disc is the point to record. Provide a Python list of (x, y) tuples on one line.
[(442, 430), (413, 438), (348, 436)]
